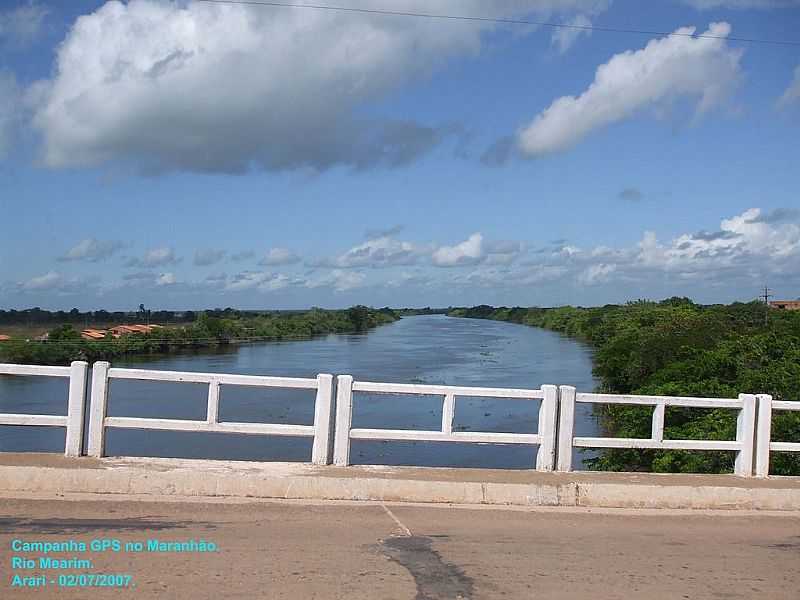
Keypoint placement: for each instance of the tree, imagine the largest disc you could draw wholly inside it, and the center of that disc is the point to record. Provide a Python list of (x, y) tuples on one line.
[(359, 317)]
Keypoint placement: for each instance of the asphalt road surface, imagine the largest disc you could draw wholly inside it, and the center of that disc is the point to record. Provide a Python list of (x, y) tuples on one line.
[(297, 550)]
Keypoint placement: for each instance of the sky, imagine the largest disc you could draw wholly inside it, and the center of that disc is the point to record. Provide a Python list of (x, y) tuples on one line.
[(191, 155)]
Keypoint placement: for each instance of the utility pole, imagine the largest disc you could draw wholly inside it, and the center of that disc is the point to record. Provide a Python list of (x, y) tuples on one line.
[(766, 296)]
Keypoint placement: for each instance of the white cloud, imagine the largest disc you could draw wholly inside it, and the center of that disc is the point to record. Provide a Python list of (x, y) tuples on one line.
[(155, 257), (468, 252), (502, 252), (564, 37), (92, 250), (280, 256), (208, 256), (664, 70), (410, 279), (263, 281), (22, 25), (340, 280), (745, 250), (211, 87), (595, 274), (47, 281), (54, 282), (379, 252), (166, 279), (792, 93), (246, 280)]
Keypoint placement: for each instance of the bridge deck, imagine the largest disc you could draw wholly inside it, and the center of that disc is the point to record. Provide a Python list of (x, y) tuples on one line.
[(365, 550)]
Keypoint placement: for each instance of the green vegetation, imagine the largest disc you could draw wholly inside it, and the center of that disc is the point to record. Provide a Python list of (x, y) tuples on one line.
[(410, 312), (210, 329), (676, 347)]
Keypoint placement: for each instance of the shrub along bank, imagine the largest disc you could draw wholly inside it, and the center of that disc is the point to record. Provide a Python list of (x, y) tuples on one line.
[(65, 344), (679, 348)]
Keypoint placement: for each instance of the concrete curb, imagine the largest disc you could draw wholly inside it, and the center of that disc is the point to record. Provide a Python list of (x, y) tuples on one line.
[(201, 478)]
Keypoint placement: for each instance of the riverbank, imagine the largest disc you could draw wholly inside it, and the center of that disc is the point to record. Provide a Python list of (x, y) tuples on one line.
[(676, 347), (65, 343)]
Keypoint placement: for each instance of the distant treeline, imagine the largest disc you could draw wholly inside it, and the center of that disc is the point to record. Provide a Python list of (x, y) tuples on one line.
[(679, 348), (210, 329), (409, 312), (37, 316)]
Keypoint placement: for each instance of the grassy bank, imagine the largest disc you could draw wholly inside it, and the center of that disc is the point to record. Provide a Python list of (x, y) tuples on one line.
[(676, 347), (207, 331)]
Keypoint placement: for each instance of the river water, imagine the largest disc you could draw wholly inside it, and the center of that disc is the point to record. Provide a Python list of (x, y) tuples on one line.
[(423, 349)]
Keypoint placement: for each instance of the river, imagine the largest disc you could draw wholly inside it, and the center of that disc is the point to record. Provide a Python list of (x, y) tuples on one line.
[(422, 349)]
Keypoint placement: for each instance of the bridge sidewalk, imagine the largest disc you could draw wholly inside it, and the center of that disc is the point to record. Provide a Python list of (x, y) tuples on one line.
[(161, 477)]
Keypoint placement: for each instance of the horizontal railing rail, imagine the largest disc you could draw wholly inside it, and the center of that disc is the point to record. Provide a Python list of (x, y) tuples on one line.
[(332, 431), (319, 431), (76, 402), (743, 445), (544, 437), (766, 407)]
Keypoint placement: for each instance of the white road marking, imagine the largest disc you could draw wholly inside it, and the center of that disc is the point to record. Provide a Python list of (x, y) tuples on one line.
[(405, 530)]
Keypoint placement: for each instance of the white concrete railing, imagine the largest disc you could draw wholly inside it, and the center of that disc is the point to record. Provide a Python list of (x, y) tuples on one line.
[(76, 401), (102, 374), (743, 445), (765, 445), (556, 413), (544, 438)]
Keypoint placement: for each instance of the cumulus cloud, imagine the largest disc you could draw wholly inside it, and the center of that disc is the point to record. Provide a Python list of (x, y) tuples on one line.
[(92, 250), (42, 282), (745, 250), (339, 280), (468, 252), (378, 252), (263, 281), (778, 215), (226, 88), (208, 256), (595, 274), (54, 282), (280, 256), (792, 93), (166, 279), (22, 25), (502, 252), (156, 257), (664, 70)]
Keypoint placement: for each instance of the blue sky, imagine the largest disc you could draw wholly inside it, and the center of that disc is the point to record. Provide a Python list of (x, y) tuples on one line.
[(190, 155)]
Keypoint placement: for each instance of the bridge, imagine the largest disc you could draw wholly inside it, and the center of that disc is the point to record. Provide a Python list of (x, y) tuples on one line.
[(327, 528)]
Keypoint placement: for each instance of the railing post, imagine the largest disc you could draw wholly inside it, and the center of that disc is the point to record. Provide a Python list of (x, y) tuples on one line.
[(566, 426), (548, 415), (763, 434), (657, 428), (97, 414), (212, 407), (448, 412), (76, 407), (745, 435), (320, 453), (344, 420)]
